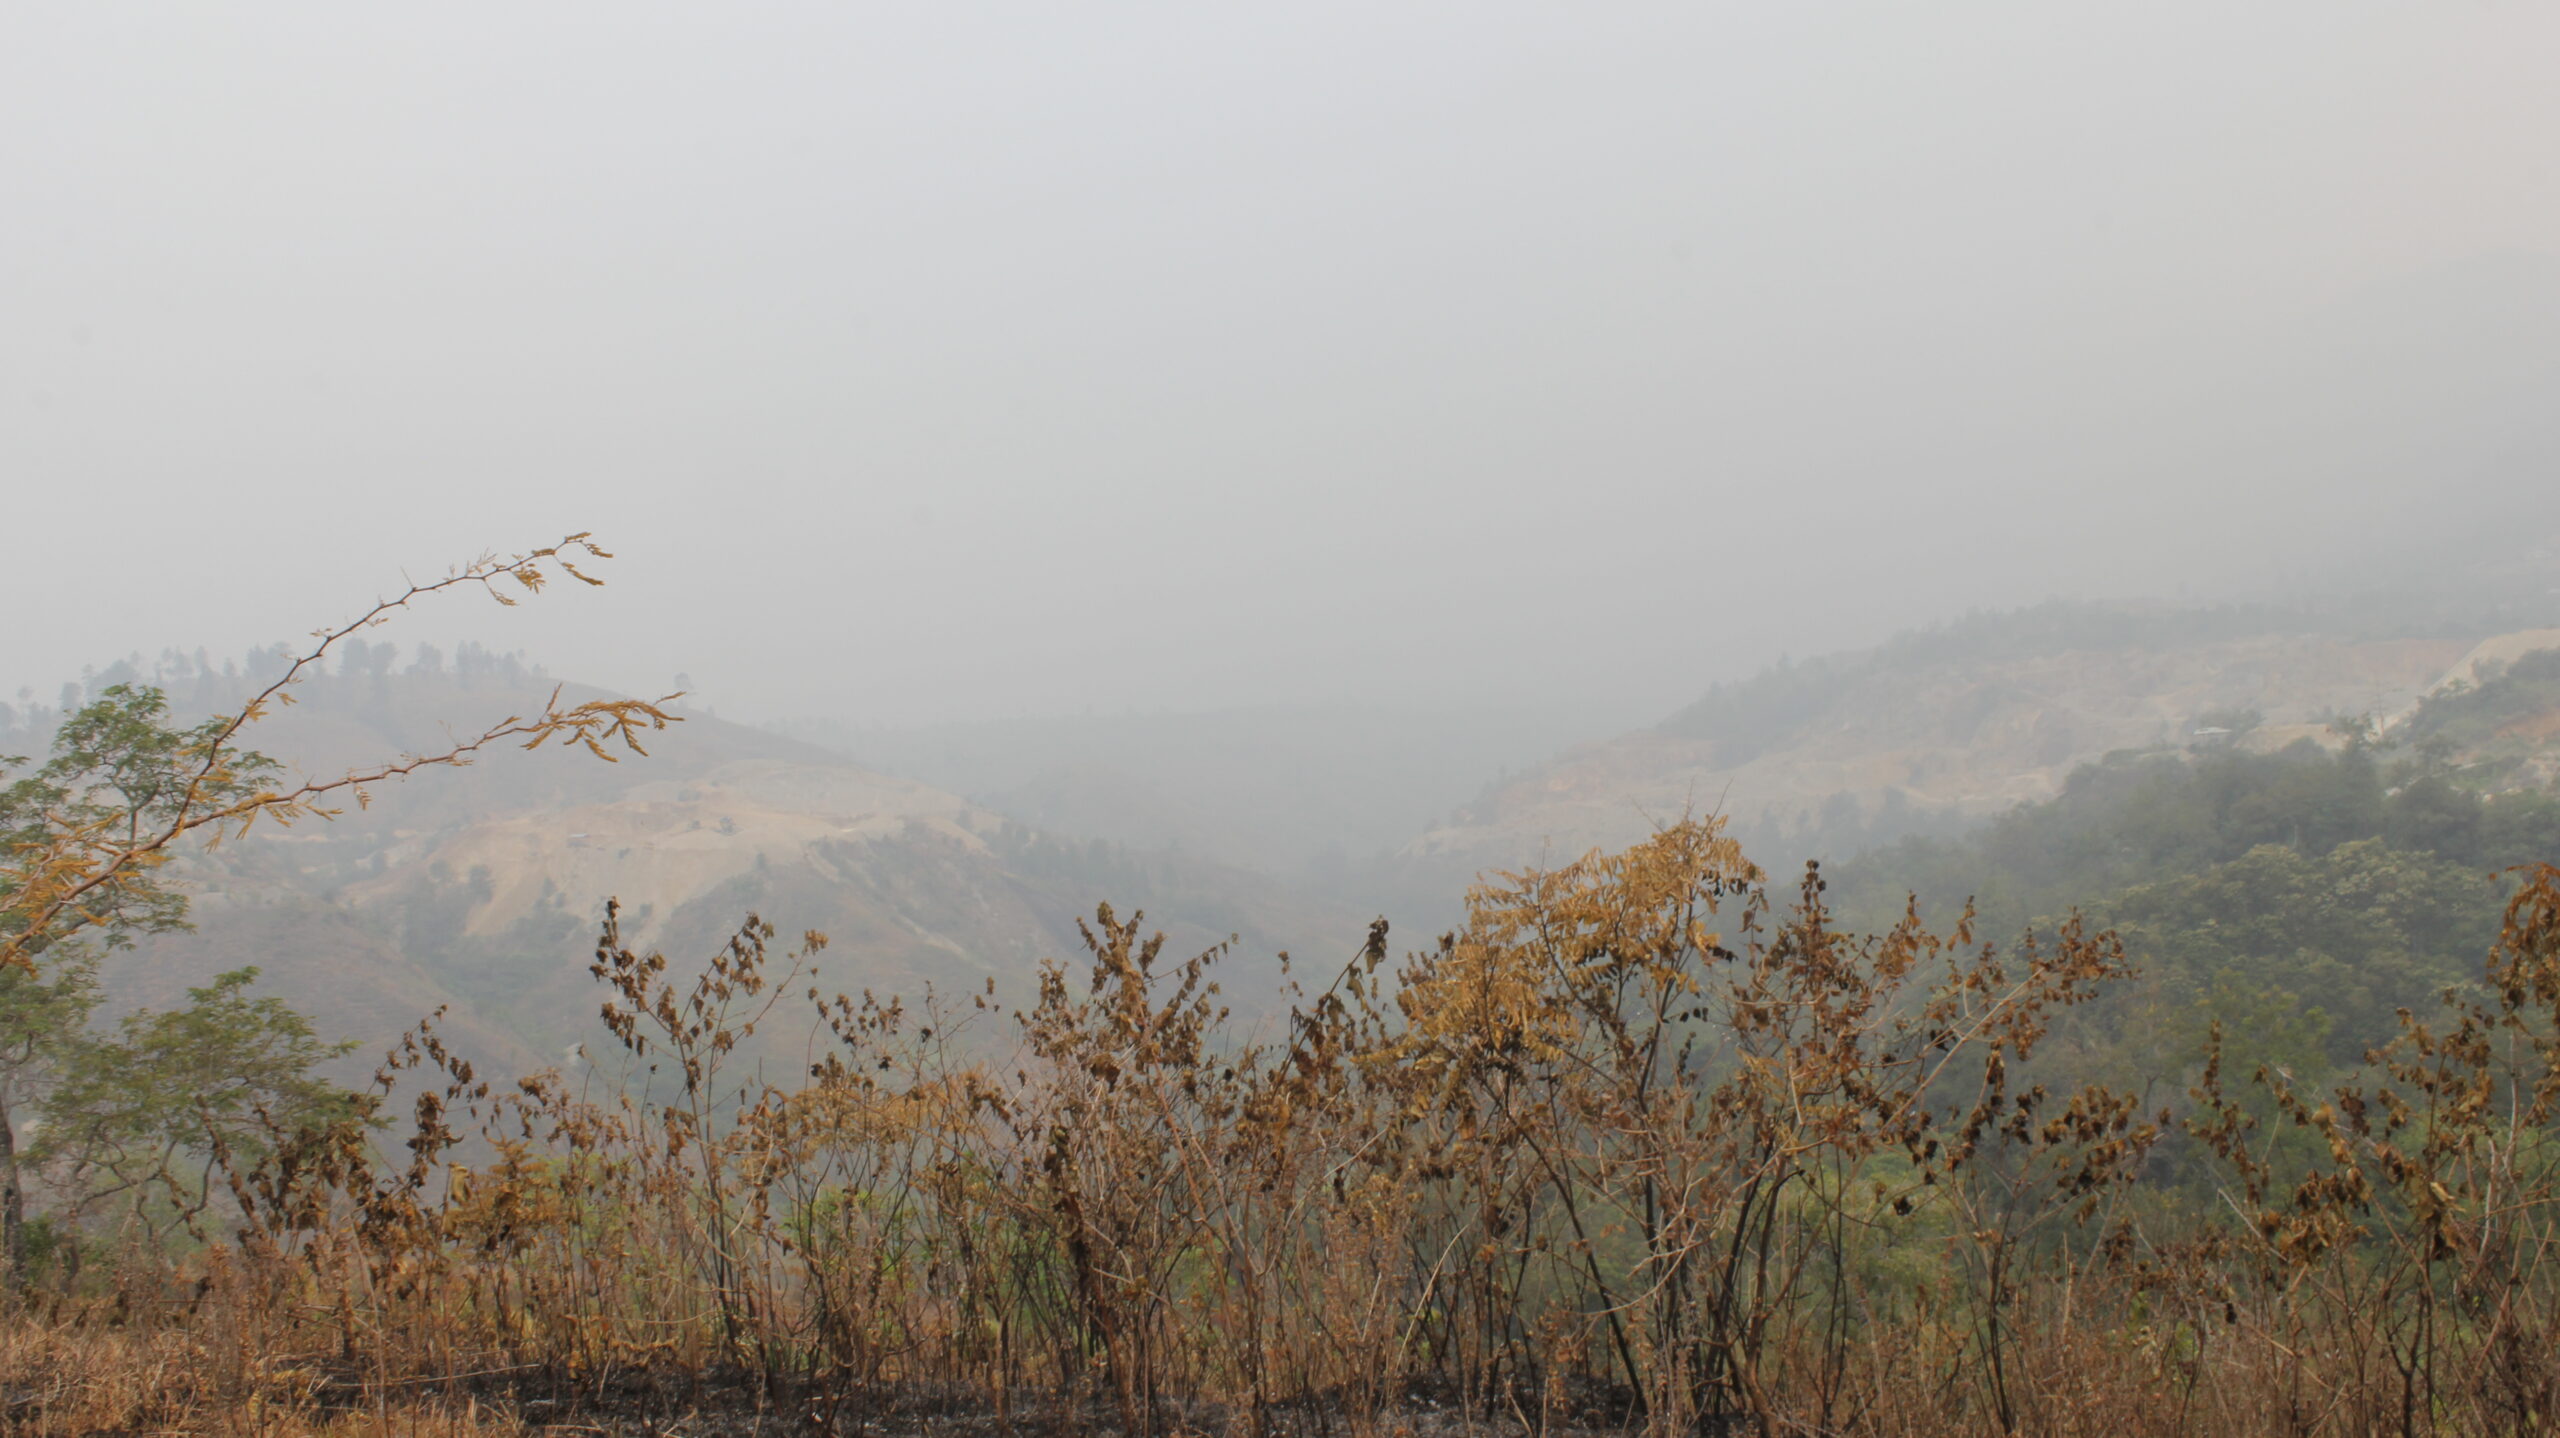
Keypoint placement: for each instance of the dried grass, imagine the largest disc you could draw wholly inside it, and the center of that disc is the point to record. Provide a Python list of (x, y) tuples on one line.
[(1636, 1150)]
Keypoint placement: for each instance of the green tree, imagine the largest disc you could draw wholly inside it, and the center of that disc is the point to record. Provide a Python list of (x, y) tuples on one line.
[(146, 1114), (39, 1017), (119, 770)]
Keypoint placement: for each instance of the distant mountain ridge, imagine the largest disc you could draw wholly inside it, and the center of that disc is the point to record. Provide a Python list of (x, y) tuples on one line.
[(480, 888), (1942, 727)]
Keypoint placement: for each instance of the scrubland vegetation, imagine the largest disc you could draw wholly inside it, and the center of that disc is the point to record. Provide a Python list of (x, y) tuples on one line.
[(1641, 1146), (2261, 1142)]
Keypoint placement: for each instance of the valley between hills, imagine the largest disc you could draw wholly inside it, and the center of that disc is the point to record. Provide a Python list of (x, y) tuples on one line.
[(479, 891)]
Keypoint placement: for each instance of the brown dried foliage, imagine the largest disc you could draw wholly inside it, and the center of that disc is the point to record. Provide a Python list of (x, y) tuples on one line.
[(1640, 1146)]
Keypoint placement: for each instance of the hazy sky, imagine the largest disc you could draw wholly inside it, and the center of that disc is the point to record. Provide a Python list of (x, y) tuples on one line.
[(953, 359)]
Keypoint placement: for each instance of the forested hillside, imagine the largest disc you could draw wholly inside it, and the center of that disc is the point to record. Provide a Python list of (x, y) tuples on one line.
[(2327, 888)]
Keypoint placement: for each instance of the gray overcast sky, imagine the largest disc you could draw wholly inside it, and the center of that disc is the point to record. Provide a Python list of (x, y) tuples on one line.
[(950, 359)]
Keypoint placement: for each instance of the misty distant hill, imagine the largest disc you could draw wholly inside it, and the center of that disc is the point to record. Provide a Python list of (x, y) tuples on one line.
[(963, 854), (1930, 732), (1943, 727), (480, 888)]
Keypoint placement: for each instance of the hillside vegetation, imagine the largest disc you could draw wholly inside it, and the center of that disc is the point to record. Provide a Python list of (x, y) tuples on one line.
[(2213, 1091), (2333, 887), (1646, 1145), (477, 890)]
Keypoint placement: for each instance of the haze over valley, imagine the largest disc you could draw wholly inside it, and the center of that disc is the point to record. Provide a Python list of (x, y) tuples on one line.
[(952, 855), (1290, 721)]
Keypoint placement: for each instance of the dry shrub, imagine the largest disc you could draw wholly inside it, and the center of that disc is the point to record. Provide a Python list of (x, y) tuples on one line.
[(1638, 1147)]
